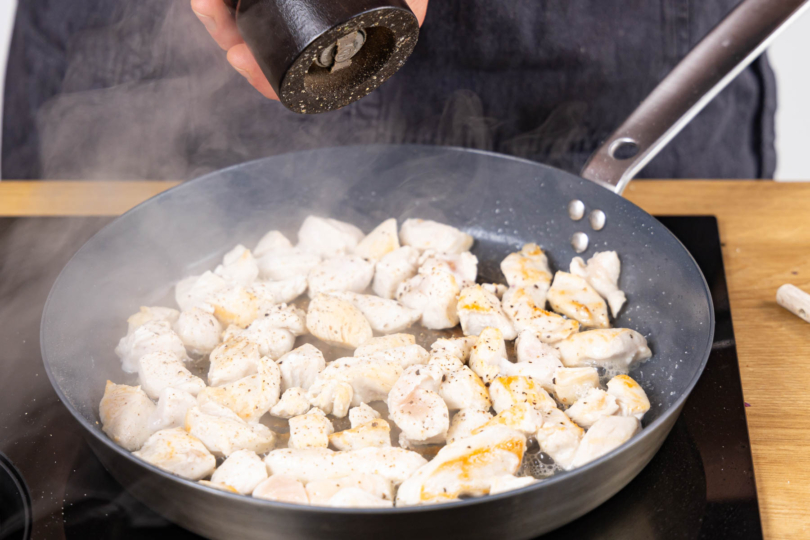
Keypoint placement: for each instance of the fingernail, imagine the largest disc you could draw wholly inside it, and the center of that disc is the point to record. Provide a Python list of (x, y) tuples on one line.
[(243, 72), (209, 22)]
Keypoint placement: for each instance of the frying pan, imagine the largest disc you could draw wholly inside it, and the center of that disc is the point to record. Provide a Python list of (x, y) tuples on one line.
[(503, 202)]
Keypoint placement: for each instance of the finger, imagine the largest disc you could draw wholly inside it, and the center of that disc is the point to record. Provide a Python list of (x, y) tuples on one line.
[(218, 21), (419, 8), (242, 60)]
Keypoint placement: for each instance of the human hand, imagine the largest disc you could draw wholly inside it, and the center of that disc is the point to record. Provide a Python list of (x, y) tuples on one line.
[(219, 22)]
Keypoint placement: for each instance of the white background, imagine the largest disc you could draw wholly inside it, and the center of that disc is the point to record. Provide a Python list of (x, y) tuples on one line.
[(788, 56)]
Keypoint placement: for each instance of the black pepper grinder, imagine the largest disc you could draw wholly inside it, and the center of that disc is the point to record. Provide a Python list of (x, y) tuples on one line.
[(320, 55)]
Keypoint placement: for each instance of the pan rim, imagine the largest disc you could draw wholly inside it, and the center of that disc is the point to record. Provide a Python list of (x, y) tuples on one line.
[(644, 434)]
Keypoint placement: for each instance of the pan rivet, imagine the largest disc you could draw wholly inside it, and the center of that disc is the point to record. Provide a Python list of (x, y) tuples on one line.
[(597, 219), (576, 209), (579, 242)]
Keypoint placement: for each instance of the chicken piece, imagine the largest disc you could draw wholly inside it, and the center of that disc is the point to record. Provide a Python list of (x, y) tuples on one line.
[(194, 291), (233, 360), (446, 363), (407, 356), (340, 274), (357, 498), (234, 305), (465, 467), (223, 432), (379, 242), (393, 269), (559, 438), (630, 397), (148, 314), (370, 378), (571, 296), (331, 396), (463, 389), (522, 417), (282, 488), (125, 412), (605, 436), (384, 316), (337, 322), (300, 367), (487, 355), (415, 406), (528, 269), (171, 409), (272, 342), (272, 242), (328, 237), (460, 347), (293, 402), (362, 414), (310, 464), (160, 370), (177, 452), (618, 349), (198, 330), (602, 273), (536, 360), (320, 491), (424, 234), (310, 430), (591, 407), (284, 265), (270, 293), (570, 384), (527, 317), (498, 289), (285, 317), (242, 471), (478, 309), (508, 482), (506, 392), (465, 422), (250, 397), (384, 343), (435, 295), (238, 266), (463, 266), (153, 336), (375, 433)]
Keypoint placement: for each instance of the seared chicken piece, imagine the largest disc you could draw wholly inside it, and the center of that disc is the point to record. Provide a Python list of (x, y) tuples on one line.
[(320, 491), (508, 482), (160, 370), (605, 436), (300, 367), (233, 360), (357, 498), (463, 389), (592, 407), (148, 314), (573, 297), (435, 295), (384, 316), (310, 430), (379, 242), (284, 265), (393, 269), (415, 406), (250, 397), (153, 336), (332, 396), (293, 402), (223, 432), (269, 293), (522, 417), (350, 273), (287, 317), (171, 409), (487, 354), (362, 414), (384, 343), (479, 309), (238, 266), (272, 342), (602, 273), (424, 234), (272, 242), (310, 464), (337, 322), (506, 392), (177, 452), (463, 266), (282, 488), (198, 330), (447, 363), (460, 347), (194, 291), (536, 360), (370, 378), (328, 237), (234, 305), (407, 356), (498, 289), (629, 395), (616, 349), (374, 433), (526, 316), (465, 422), (528, 269), (559, 438), (465, 467), (125, 412), (242, 471), (570, 384)]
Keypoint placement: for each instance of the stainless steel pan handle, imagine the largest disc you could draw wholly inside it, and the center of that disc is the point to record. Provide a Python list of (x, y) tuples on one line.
[(708, 68)]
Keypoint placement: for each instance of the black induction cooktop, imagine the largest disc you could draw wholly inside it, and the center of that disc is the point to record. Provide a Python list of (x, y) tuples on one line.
[(700, 485)]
